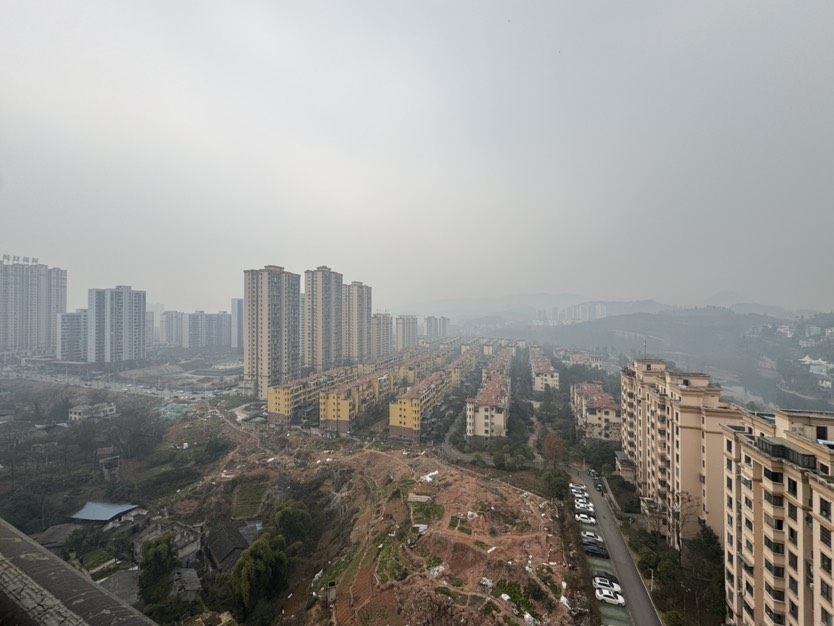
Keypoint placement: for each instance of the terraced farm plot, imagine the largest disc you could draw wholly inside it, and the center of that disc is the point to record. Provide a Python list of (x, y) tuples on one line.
[(248, 500)]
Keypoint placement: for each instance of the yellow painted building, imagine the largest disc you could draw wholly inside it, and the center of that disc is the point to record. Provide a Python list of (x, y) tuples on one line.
[(338, 408), (299, 398)]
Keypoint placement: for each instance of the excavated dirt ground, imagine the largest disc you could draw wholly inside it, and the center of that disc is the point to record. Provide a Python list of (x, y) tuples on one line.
[(477, 528)]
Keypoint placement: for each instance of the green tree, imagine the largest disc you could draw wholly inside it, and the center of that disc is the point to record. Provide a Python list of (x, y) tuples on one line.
[(257, 572), (557, 483), (159, 558)]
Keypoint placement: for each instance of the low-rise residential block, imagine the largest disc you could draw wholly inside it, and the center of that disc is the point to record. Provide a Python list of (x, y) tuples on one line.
[(487, 413), (597, 413), (545, 375)]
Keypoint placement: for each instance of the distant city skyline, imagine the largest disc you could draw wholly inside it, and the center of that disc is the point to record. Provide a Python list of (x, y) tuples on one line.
[(432, 150)]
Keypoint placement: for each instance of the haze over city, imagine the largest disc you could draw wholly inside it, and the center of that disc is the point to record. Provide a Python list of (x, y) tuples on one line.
[(430, 150)]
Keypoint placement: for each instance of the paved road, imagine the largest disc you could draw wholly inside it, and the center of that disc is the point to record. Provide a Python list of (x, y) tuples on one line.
[(637, 598)]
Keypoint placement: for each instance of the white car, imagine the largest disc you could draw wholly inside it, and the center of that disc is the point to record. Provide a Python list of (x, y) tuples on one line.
[(610, 597), (576, 486), (587, 534), (582, 518), (604, 583)]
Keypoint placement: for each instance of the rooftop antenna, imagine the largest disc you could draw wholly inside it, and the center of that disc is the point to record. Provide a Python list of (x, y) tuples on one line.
[(645, 352)]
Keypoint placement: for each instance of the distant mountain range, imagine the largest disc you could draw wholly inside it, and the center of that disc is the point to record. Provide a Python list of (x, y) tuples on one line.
[(527, 307)]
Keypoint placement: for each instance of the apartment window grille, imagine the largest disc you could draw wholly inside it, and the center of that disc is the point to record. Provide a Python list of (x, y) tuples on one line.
[(792, 511), (774, 477), (776, 618), (793, 609), (825, 536), (776, 570), (793, 585), (793, 560), (777, 595), (773, 546), (825, 509), (825, 590), (792, 535), (774, 500), (791, 486), (825, 563)]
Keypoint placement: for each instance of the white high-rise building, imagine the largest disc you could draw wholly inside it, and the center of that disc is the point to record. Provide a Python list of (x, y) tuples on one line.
[(237, 323), (31, 297), (356, 322), (323, 313), (381, 332), (115, 325), (71, 342), (270, 329), (149, 328), (171, 327), (406, 332)]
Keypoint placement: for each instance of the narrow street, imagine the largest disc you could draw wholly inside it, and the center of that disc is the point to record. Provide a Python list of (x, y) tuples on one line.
[(638, 603)]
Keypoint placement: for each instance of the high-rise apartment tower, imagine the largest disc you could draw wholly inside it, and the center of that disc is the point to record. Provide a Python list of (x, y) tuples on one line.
[(323, 313), (270, 327)]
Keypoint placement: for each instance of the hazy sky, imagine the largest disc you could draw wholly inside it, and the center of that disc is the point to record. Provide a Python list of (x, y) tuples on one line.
[(429, 149)]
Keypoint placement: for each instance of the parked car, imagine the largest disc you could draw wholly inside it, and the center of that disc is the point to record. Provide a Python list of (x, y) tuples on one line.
[(592, 543), (604, 583), (610, 597), (597, 551), (601, 573), (576, 486), (587, 534), (582, 518), (589, 510)]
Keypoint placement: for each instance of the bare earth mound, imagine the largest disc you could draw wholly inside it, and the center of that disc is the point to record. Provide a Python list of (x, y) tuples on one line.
[(438, 544)]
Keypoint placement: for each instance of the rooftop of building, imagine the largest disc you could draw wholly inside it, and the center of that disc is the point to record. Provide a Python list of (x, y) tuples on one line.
[(417, 390), (595, 396), (31, 573), (102, 511)]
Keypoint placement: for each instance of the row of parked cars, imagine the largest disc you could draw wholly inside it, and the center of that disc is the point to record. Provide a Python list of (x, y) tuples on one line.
[(606, 586)]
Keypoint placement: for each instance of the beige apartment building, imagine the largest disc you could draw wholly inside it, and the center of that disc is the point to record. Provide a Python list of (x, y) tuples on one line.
[(487, 413), (544, 375), (597, 413), (323, 318), (270, 328), (356, 322), (672, 433), (778, 495)]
